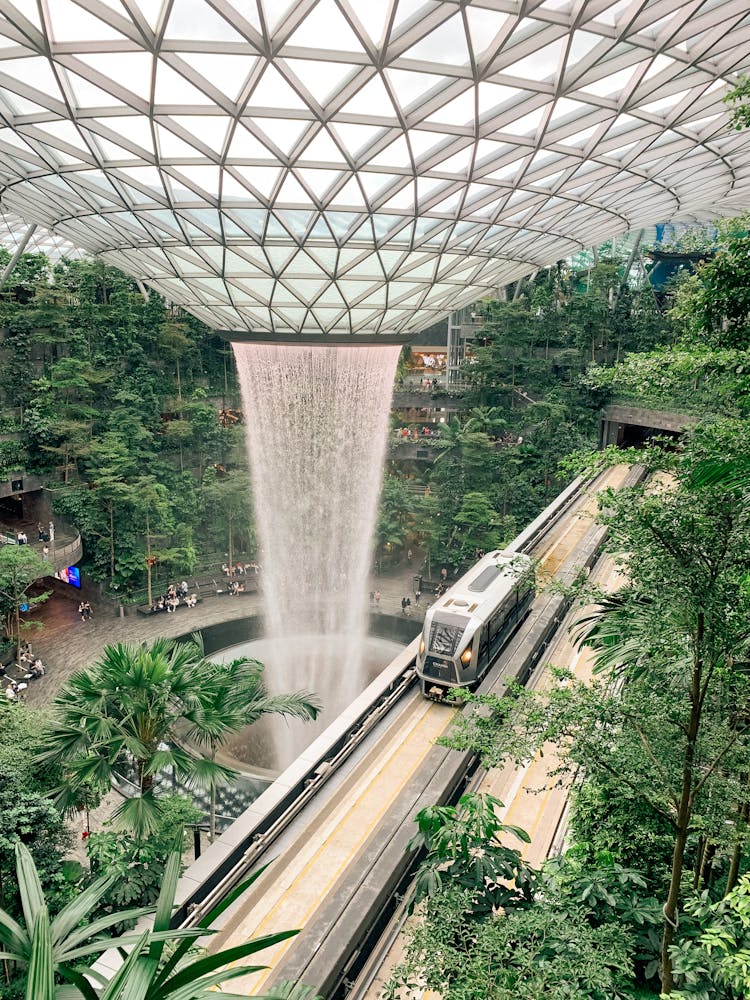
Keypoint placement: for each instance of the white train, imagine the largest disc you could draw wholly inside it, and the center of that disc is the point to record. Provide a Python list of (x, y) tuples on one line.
[(465, 629)]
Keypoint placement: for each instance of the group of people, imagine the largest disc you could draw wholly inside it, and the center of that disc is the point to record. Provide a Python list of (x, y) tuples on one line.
[(84, 611), (176, 594), (31, 667), (235, 587), (416, 433), (240, 569)]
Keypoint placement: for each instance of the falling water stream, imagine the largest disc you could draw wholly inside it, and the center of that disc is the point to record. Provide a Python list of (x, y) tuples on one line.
[(317, 420)]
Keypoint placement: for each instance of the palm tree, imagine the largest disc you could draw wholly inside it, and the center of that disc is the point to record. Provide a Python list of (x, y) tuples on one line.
[(151, 971), (134, 705), (236, 697)]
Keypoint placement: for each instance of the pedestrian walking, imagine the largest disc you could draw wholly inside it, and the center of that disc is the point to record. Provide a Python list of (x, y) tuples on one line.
[(418, 597), (443, 574), (377, 598), (409, 555), (403, 605)]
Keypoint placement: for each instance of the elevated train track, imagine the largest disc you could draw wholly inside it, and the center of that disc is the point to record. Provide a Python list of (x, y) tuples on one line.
[(337, 824)]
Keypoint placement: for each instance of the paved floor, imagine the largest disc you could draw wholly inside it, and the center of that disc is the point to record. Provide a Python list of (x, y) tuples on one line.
[(66, 644)]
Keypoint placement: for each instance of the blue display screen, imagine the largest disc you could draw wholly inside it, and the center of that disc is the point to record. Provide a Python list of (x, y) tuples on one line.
[(70, 575)]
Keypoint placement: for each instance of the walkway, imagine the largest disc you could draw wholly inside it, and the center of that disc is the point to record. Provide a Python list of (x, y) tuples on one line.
[(67, 644)]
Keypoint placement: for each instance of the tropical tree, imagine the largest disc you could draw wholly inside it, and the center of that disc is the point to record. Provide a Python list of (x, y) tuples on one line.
[(20, 566), (671, 721), (235, 696), (159, 965), (153, 706), (136, 704)]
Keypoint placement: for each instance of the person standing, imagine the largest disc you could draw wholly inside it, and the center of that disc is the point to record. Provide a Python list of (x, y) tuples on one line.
[(418, 597), (377, 598)]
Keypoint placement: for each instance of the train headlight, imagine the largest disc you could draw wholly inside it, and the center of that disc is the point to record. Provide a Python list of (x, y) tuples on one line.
[(466, 655), (421, 646)]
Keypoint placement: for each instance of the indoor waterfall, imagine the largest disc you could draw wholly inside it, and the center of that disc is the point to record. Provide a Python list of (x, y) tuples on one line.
[(316, 423)]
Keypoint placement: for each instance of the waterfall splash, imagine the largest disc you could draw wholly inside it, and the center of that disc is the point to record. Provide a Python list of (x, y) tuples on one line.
[(316, 422)]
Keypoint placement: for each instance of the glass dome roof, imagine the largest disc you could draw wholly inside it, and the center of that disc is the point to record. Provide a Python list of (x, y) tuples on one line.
[(362, 166)]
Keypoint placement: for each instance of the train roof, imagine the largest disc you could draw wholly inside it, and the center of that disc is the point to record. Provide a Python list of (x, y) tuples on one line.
[(484, 586)]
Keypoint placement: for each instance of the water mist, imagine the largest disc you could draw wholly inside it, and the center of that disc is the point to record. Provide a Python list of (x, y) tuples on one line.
[(316, 422)]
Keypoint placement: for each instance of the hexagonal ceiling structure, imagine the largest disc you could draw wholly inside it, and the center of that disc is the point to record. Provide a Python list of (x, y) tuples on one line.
[(362, 167)]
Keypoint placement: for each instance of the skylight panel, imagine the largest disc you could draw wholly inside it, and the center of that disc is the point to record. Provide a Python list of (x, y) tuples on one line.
[(173, 88), (484, 26), (446, 44), (273, 91), (325, 28), (71, 23), (321, 79), (131, 70), (196, 20), (228, 73)]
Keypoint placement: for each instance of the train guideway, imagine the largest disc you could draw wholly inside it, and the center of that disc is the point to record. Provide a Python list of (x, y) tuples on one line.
[(322, 859)]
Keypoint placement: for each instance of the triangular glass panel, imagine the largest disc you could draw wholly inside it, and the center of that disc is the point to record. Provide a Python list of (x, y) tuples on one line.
[(325, 28), (540, 65), (421, 142), (135, 128), (210, 130), (355, 138), (350, 195), (263, 179), (321, 79), (581, 44), (70, 23), (372, 99), (226, 72), (245, 146), (197, 21), (458, 163), (131, 70), (484, 26), (491, 96), (173, 88), (409, 86), (87, 95), (446, 44), (202, 178), (610, 85), (292, 191), (65, 132), (170, 145), (323, 149), (394, 155), (318, 181), (273, 91), (459, 111), (284, 133), (36, 73), (526, 124)]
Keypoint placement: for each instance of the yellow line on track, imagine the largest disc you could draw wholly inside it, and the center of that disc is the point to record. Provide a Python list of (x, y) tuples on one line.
[(374, 776)]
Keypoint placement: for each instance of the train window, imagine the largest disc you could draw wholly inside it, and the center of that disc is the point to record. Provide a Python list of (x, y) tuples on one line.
[(485, 578), (445, 638)]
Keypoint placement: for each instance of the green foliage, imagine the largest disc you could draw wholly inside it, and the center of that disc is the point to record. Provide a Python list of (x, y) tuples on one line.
[(139, 865), (156, 965), (716, 962), (740, 98), (464, 849), (113, 393)]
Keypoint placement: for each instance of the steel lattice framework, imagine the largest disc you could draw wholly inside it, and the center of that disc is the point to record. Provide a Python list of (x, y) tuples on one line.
[(362, 166)]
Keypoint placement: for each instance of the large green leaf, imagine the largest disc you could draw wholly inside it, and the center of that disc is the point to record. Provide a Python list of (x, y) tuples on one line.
[(203, 966), (40, 982), (29, 886)]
